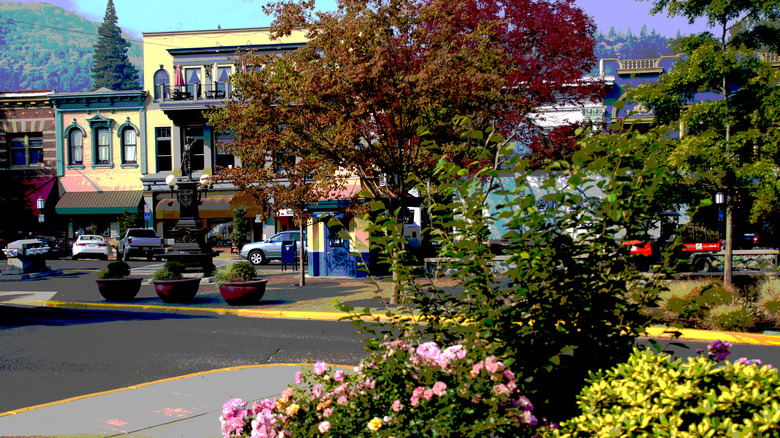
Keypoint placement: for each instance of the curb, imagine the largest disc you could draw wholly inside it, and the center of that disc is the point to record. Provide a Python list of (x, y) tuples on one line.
[(659, 332)]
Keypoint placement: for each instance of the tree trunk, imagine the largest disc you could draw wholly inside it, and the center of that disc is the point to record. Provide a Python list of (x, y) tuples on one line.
[(729, 250)]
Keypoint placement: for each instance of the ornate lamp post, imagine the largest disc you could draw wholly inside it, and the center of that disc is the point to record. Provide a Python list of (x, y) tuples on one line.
[(190, 245)]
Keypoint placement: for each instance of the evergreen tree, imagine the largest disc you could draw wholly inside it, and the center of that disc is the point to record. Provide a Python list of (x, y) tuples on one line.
[(111, 67)]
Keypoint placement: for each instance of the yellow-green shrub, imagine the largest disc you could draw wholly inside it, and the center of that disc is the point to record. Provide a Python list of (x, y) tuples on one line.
[(651, 395), (735, 317)]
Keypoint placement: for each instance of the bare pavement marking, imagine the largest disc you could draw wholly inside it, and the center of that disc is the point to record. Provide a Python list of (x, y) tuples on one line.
[(26, 298)]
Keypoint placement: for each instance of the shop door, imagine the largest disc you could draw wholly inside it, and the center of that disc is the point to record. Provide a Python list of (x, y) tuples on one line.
[(337, 259)]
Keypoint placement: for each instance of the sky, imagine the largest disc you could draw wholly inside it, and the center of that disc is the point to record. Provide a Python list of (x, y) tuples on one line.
[(138, 16)]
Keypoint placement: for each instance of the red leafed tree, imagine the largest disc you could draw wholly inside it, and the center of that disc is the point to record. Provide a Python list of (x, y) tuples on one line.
[(376, 73), (381, 86)]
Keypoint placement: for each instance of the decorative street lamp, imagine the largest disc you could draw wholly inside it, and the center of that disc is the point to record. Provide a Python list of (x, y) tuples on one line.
[(40, 204), (190, 246), (720, 199)]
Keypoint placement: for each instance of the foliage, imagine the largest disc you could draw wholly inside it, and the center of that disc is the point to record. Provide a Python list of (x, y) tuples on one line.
[(236, 272), (376, 75), (240, 226), (111, 67), (46, 47), (115, 270), (768, 301), (171, 270), (397, 391), (738, 316), (722, 99), (711, 305), (570, 300), (128, 220), (654, 396)]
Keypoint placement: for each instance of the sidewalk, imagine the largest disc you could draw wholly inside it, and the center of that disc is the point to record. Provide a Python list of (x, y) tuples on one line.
[(191, 405), (187, 406)]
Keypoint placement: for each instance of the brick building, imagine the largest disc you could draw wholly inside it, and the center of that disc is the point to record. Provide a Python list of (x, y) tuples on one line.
[(28, 160)]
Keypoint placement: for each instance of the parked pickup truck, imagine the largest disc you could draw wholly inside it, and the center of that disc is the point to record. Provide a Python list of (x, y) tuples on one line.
[(139, 242)]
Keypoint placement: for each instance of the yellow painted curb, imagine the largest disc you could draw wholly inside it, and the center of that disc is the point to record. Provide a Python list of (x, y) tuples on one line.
[(170, 379), (709, 336)]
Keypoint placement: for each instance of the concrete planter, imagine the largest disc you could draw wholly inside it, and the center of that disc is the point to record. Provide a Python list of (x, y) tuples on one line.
[(119, 289), (177, 291), (243, 293)]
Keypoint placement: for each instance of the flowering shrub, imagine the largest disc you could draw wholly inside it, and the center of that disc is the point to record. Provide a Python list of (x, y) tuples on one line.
[(398, 391)]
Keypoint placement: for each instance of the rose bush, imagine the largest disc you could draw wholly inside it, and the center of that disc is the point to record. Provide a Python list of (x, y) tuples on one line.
[(398, 391)]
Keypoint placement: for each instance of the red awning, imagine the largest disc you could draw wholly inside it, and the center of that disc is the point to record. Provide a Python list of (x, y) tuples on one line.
[(35, 188)]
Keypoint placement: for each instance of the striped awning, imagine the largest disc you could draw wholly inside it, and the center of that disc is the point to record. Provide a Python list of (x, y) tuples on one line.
[(113, 202), (211, 206)]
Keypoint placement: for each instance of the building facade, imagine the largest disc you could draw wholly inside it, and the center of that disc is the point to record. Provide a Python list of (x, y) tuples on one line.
[(101, 155), (27, 164), (185, 73)]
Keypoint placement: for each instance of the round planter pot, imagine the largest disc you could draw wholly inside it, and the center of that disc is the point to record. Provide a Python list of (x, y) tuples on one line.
[(119, 289), (177, 291), (243, 293)]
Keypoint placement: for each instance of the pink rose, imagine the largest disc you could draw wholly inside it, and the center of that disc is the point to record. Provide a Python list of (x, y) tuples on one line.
[(439, 389), (298, 379), (493, 365), (324, 427), (339, 376), (397, 406), (320, 368), (342, 400)]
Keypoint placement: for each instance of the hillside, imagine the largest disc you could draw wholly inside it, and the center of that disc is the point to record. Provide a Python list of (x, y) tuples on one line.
[(43, 46)]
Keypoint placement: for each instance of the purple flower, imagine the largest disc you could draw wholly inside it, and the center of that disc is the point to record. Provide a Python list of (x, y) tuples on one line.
[(320, 368), (718, 350)]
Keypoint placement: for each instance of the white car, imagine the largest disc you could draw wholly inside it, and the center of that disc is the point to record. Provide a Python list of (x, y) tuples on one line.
[(89, 245)]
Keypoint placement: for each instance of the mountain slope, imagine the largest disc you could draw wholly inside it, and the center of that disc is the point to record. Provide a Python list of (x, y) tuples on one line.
[(43, 46)]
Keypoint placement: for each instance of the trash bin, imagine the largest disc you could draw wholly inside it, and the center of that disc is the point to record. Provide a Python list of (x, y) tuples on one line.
[(26, 255), (289, 250)]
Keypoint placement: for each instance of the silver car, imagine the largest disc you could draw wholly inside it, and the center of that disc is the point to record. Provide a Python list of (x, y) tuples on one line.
[(260, 253)]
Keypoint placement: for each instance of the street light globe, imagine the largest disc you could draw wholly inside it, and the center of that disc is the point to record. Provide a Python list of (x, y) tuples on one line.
[(170, 180)]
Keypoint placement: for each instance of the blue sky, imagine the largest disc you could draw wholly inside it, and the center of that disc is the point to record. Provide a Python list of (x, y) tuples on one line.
[(138, 16)]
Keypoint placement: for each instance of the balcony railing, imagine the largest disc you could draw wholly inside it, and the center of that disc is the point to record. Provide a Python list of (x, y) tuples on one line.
[(193, 93)]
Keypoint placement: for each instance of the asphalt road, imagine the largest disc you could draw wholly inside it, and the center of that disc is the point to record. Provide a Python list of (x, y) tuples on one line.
[(49, 354)]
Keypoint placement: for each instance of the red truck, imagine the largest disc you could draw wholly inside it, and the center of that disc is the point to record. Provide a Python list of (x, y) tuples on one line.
[(691, 256), (695, 257)]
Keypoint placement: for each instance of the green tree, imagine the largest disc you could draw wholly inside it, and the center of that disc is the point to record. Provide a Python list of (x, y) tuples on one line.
[(111, 67), (723, 95)]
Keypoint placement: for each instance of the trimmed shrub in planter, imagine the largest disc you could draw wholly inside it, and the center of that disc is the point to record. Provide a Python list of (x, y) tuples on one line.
[(115, 284), (238, 286), (171, 286)]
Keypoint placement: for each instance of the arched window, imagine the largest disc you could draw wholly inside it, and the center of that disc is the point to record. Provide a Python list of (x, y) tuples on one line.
[(103, 147), (129, 146), (76, 147), (162, 83)]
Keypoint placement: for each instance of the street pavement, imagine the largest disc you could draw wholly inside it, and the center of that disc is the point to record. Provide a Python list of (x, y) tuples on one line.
[(190, 405)]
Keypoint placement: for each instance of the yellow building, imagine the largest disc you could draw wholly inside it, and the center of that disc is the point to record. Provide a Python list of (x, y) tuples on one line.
[(185, 73), (101, 154)]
